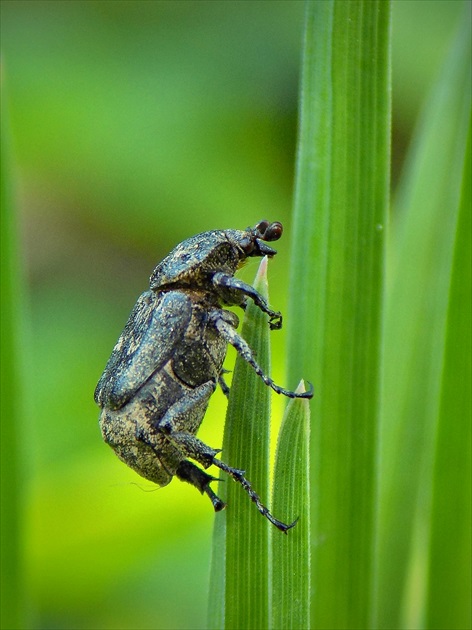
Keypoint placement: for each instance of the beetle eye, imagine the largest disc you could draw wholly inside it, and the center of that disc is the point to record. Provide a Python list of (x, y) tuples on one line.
[(247, 244), (261, 228), (272, 232)]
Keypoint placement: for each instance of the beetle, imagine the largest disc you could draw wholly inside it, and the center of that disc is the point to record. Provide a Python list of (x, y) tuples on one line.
[(168, 361)]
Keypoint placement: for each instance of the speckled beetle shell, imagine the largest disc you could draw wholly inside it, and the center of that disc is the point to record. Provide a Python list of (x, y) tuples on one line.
[(168, 360)]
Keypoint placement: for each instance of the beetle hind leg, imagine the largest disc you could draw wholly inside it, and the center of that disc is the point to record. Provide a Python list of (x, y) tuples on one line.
[(192, 447), (238, 475), (201, 480)]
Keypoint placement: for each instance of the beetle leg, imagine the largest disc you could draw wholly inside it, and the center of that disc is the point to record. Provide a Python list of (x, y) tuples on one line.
[(232, 291), (238, 475), (194, 448), (201, 480), (223, 385), (231, 336), (192, 404)]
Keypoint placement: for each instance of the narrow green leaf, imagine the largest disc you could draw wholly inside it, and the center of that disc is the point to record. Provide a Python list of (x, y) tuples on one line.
[(245, 446), (291, 498), (419, 275), (12, 609), (450, 579), (217, 590), (335, 309)]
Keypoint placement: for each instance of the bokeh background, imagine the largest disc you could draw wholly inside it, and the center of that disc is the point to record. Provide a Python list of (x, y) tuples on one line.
[(135, 124)]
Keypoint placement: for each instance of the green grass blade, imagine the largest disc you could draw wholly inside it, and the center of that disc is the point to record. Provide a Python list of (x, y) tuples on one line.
[(450, 580), (336, 286), (246, 446), (419, 273), (217, 587), (291, 498), (12, 611)]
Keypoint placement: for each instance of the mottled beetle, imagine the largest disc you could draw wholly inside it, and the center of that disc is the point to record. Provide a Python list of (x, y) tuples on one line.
[(166, 364)]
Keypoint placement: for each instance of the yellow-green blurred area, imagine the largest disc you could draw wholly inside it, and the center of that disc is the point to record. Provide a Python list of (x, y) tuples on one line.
[(135, 125)]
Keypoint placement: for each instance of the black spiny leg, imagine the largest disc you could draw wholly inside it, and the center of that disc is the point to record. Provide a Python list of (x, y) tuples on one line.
[(201, 480), (238, 475), (231, 336), (230, 287), (222, 383), (205, 455)]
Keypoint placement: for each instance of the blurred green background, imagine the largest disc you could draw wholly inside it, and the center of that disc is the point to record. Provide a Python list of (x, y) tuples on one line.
[(133, 126)]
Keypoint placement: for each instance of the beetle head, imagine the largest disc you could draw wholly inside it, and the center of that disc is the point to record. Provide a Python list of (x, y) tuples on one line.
[(252, 241), (194, 261)]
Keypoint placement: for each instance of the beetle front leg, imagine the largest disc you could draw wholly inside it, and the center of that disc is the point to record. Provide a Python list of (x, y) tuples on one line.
[(233, 291)]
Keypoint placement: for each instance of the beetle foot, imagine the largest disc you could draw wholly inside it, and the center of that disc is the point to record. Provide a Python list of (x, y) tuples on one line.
[(275, 321)]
